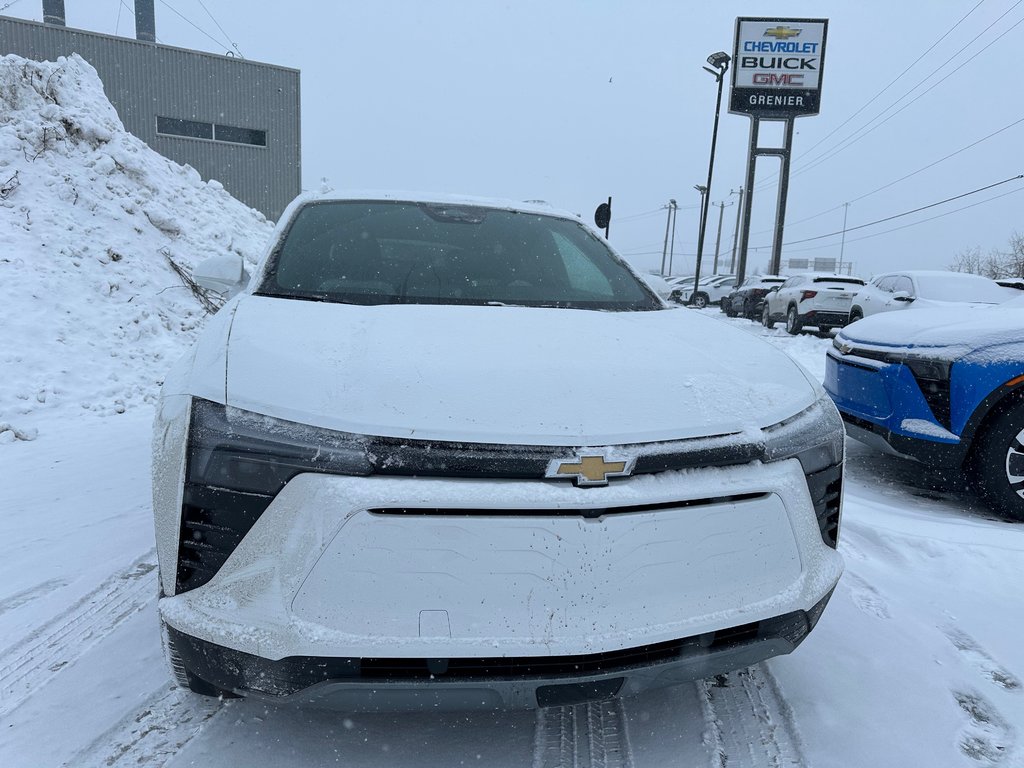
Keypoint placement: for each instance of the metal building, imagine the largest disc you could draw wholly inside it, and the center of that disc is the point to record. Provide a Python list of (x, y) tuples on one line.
[(233, 120)]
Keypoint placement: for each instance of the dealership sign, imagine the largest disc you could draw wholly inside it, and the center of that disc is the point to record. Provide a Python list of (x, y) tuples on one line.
[(777, 67)]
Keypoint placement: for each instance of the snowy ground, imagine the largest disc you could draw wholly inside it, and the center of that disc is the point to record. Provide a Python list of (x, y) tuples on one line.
[(917, 661)]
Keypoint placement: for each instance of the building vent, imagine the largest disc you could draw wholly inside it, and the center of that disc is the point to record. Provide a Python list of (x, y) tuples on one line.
[(53, 12), (145, 21)]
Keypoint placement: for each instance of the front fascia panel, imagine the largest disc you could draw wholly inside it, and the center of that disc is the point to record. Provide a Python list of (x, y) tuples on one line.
[(257, 603)]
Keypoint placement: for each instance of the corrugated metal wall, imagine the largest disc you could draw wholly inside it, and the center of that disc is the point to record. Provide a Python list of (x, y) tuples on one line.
[(144, 80)]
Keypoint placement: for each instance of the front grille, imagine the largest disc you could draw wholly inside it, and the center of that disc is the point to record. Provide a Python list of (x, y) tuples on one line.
[(213, 523), (826, 489), (570, 512), (936, 394), (434, 458)]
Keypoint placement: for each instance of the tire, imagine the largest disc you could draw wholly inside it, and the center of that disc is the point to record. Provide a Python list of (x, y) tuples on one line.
[(997, 465), (728, 309), (699, 300), (793, 324), (182, 675), (856, 314), (766, 318)]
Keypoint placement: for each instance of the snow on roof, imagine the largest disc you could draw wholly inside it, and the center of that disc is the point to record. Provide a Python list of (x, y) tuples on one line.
[(523, 206)]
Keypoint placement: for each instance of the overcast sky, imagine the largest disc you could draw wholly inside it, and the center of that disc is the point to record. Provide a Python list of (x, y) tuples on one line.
[(571, 101)]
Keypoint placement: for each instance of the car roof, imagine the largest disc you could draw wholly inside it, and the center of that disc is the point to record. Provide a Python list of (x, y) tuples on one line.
[(520, 206), (928, 273)]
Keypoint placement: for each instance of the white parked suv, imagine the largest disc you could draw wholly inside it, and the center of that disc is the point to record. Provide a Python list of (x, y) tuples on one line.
[(927, 288), (712, 290), (811, 298), (423, 460)]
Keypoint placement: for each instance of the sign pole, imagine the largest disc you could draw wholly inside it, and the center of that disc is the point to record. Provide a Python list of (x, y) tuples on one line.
[(780, 208), (748, 200)]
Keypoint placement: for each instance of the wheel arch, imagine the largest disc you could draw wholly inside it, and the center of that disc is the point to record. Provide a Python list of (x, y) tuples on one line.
[(993, 405)]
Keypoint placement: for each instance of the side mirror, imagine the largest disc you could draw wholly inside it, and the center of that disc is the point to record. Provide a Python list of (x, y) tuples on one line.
[(902, 296), (225, 275), (773, 289)]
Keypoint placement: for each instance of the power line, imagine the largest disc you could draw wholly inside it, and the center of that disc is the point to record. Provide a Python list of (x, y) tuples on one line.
[(203, 31), (864, 130), (233, 43), (853, 139), (894, 81), (940, 160), (914, 223), (903, 178), (905, 213)]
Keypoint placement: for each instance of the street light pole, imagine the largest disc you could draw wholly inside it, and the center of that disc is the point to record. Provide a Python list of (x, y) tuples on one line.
[(703, 196), (720, 62)]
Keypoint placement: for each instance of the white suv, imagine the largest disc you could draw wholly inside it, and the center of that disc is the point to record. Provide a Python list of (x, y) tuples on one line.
[(927, 288), (711, 291), (423, 460), (812, 298)]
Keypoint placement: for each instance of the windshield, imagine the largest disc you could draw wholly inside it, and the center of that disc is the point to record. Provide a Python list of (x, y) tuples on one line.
[(386, 252), (963, 288)]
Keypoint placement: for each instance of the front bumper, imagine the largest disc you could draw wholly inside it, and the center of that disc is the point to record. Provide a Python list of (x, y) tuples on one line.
[(374, 685), (441, 569), (877, 399)]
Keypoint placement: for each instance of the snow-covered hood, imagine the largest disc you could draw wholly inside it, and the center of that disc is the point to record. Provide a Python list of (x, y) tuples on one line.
[(506, 374), (955, 330)]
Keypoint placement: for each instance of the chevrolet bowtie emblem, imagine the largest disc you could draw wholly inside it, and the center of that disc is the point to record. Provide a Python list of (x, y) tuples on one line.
[(589, 470), (782, 33)]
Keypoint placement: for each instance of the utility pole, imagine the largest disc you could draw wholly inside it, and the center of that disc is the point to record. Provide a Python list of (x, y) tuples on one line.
[(736, 233), (672, 243), (718, 240), (668, 222), (842, 244)]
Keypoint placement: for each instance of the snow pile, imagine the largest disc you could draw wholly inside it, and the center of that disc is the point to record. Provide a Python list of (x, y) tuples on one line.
[(91, 311)]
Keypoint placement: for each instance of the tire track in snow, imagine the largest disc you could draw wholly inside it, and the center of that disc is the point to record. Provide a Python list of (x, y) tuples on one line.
[(749, 722), (153, 734), (582, 736), (33, 661)]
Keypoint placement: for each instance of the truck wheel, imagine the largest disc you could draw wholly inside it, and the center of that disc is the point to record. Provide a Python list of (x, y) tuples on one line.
[(997, 469)]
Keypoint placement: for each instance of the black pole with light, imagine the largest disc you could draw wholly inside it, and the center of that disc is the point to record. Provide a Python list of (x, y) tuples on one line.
[(720, 62)]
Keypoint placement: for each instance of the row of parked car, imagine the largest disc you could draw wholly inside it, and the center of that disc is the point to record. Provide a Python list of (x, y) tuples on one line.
[(827, 300), (943, 384)]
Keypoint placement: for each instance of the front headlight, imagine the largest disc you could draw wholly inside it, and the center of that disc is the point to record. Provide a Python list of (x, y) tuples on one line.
[(814, 436), (243, 451)]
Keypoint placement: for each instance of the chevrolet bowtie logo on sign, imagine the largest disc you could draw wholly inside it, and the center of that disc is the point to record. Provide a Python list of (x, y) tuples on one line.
[(589, 470), (782, 33)]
